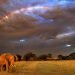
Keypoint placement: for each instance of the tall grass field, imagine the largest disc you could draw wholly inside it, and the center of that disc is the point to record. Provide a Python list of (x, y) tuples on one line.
[(43, 68)]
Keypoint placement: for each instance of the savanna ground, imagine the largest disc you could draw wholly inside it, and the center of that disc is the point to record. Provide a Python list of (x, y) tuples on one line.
[(43, 68)]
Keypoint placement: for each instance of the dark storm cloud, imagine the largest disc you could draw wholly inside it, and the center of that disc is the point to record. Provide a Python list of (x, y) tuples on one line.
[(2, 12), (3, 1), (18, 24), (26, 26), (32, 30)]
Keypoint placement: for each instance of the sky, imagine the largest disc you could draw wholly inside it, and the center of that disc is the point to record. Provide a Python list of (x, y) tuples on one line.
[(38, 26)]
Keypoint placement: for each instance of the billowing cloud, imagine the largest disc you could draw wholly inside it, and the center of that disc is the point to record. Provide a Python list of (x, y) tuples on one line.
[(36, 25)]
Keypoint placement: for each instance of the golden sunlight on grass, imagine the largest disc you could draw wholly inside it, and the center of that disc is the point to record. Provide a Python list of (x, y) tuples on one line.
[(43, 68)]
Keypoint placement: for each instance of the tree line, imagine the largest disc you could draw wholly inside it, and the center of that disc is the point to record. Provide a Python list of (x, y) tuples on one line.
[(33, 57)]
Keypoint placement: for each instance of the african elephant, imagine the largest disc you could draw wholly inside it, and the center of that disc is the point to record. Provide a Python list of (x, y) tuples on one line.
[(10, 58)]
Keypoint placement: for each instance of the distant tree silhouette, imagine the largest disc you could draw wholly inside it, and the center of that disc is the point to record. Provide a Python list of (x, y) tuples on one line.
[(29, 56), (60, 57), (65, 57), (42, 57), (19, 57), (72, 56), (49, 56)]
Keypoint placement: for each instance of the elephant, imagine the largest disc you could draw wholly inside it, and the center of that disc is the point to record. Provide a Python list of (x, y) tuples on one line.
[(10, 59)]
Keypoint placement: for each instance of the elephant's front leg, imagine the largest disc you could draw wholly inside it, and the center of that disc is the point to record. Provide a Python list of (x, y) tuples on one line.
[(7, 67), (1, 68)]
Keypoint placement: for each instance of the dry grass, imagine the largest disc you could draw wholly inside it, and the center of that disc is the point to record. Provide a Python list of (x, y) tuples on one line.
[(43, 68)]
